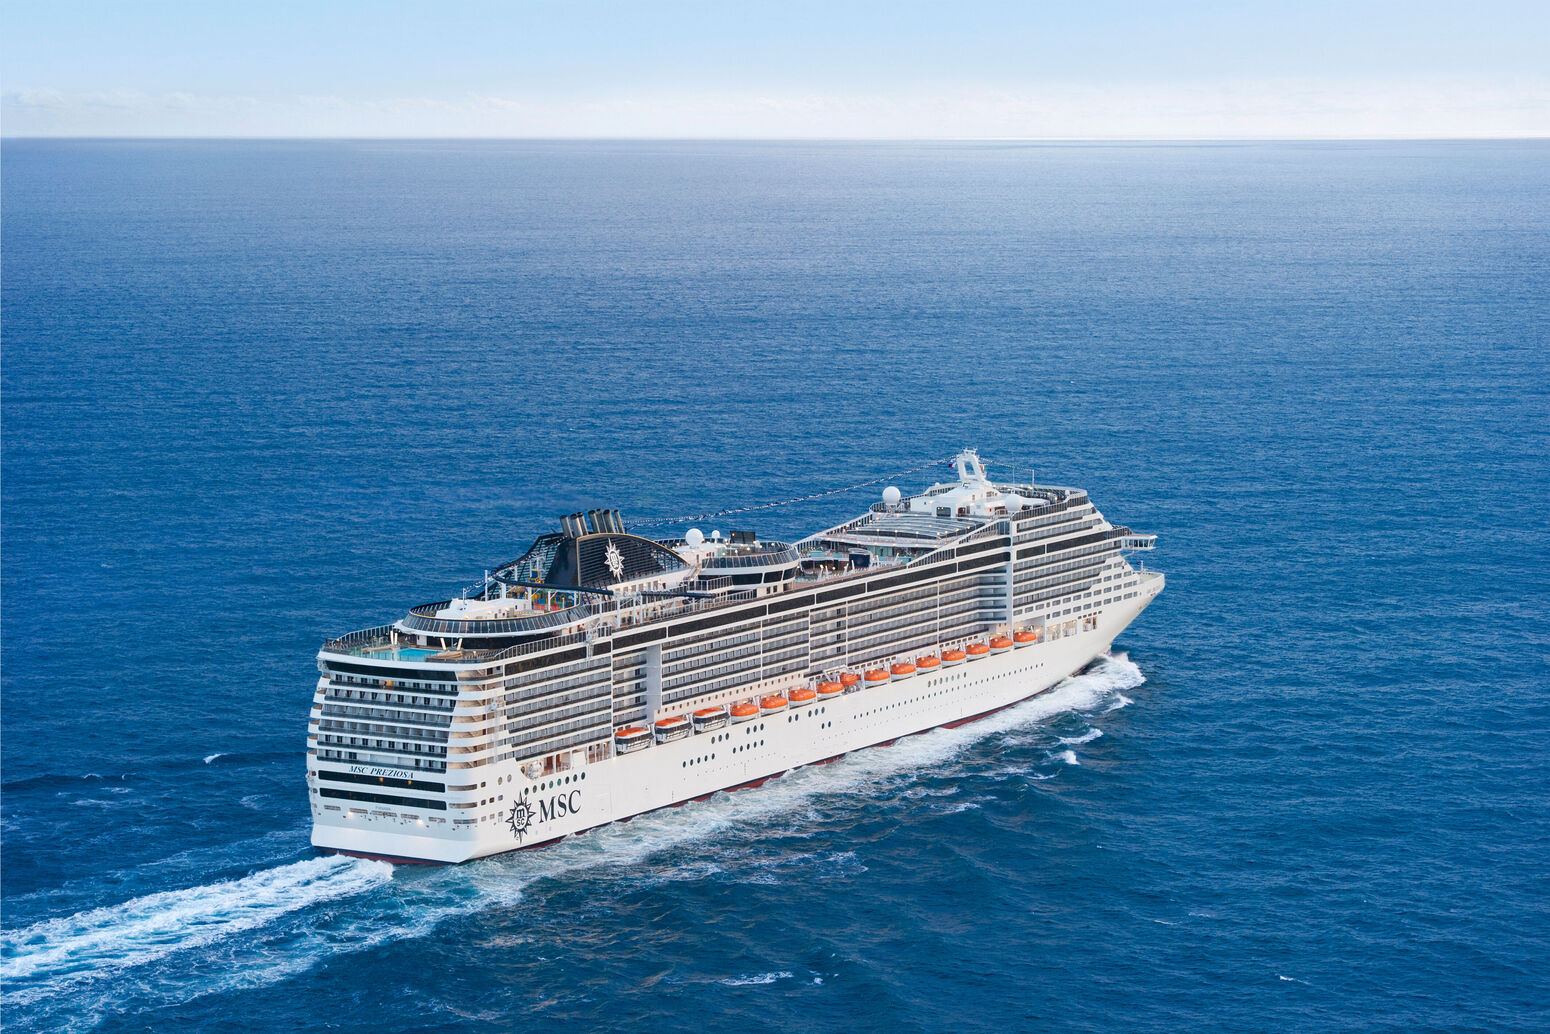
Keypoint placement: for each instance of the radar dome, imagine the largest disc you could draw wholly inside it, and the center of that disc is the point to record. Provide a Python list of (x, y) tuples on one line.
[(891, 496), (695, 537)]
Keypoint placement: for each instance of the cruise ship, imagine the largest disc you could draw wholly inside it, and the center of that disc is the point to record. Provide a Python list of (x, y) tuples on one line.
[(604, 674)]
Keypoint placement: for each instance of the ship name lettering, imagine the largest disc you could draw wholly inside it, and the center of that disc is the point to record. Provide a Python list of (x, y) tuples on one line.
[(373, 770), (558, 806)]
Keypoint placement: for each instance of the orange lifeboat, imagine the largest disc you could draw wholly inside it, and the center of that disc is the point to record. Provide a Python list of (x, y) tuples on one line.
[(978, 650), (849, 679), (745, 711), (877, 677), (772, 704), (829, 690), (902, 670), (1000, 644), (927, 665), (802, 697), (667, 730), (707, 719), (1024, 638), (952, 658), (633, 738)]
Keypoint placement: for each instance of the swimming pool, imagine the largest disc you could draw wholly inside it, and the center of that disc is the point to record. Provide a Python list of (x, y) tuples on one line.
[(403, 653)]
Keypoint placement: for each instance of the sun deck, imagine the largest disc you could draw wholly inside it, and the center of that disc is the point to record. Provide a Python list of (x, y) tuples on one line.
[(636, 581)]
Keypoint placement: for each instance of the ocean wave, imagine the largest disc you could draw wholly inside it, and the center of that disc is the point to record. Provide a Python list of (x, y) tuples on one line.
[(1077, 741), (756, 979), (828, 865), (954, 809)]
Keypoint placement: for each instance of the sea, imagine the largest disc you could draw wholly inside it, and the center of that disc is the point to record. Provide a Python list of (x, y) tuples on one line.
[(257, 394)]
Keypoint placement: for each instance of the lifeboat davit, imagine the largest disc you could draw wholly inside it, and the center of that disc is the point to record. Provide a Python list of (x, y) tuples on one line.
[(926, 665), (902, 670), (952, 658), (633, 738), (709, 718), (667, 730), (745, 711), (830, 690), (802, 697), (772, 704), (978, 650), (1000, 644), (877, 677), (851, 681), (1024, 638)]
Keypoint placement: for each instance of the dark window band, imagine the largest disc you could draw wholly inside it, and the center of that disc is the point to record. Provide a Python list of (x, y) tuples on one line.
[(382, 798), (402, 784)]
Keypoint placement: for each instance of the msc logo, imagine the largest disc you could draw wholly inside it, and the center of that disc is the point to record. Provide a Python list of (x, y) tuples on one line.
[(524, 814)]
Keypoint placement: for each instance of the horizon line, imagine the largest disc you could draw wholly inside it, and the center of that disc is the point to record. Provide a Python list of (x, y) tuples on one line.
[(366, 138)]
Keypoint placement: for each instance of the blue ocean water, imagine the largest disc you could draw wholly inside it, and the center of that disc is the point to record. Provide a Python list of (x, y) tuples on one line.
[(255, 394)]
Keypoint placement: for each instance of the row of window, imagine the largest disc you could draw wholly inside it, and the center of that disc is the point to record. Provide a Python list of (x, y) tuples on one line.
[(335, 710), (409, 734), (328, 753), (381, 798), (332, 737)]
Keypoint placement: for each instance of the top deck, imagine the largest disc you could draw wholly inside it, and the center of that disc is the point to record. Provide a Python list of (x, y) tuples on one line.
[(715, 574)]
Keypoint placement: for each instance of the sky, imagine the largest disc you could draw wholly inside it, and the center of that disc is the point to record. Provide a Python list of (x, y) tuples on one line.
[(1078, 69)]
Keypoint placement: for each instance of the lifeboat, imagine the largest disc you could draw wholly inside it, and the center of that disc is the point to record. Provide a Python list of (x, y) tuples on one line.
[(745, 711), (1000, 644), (667, 730), (902, 670), (877, 677), (830, 690), (773, 704), (952, 658), (709, 718), (978, 650), (851, 681), (802, 697), (926, 665), (633, 738), (1024, 638)]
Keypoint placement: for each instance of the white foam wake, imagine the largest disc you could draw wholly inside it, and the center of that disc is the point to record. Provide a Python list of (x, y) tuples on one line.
[(757, 979), (48, 956)]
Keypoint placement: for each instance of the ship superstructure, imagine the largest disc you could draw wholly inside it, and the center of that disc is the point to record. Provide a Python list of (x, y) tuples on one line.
[(604, 674)]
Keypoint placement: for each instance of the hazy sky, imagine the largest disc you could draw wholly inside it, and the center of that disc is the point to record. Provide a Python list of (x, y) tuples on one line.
[(790, 69)]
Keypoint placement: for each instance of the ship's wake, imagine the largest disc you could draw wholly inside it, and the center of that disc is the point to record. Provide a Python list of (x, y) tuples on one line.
[(91, 944), (176, 945)]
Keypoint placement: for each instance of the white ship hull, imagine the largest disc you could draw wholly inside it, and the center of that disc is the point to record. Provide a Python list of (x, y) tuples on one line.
[(514, 811)]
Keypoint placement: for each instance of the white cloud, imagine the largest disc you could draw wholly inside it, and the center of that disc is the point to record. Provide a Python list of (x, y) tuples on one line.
[(1228, 110)]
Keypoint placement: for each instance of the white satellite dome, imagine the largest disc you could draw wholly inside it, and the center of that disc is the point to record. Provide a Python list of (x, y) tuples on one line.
[(694, 537), (715, 536), (891, 496)]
